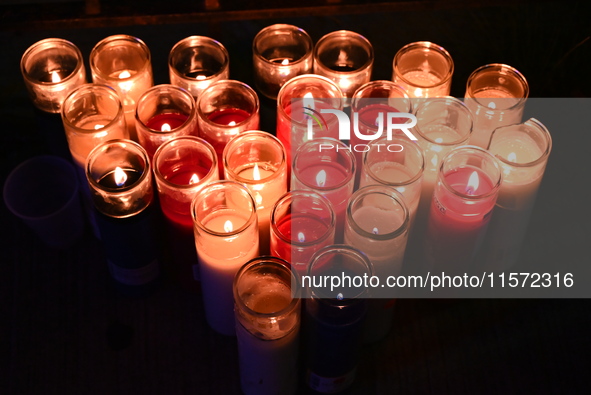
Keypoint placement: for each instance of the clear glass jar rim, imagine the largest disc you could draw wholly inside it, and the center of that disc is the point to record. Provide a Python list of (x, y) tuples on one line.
[(189, 42), (124, 38), (216, 86), (192, 115), (446, 99), (415, 177), (49, 43), (429, 46), (283, 27), (506, 69), (83, 90), (346, 36)]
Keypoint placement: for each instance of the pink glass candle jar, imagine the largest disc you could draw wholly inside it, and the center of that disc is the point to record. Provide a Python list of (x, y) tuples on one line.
[(124, 63), (257, 160), (51, 69), (496, 95), (377, 224), (92, 114), (463, 199), (182, 167), (302, 222), (267, 326), (326, 166), (346, 58), (196, 62), (522, 151), (224, 110), (226, 237), (120, 179), (424, 69), (280, 52), (162, 113), (299, 105)]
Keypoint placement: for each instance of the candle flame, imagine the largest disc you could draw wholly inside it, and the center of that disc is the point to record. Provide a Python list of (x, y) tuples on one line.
[(321, 178), (228, 227), (492, 105), (285, 62), (124, 74), (418, 92), (194, 179), (375, 231), (439, 140), (473, 183), (301, 237), (55, 77), (201, 77), (512, 157), (256, 174), (232, 123), (165, 127), (342, 59), (97, 127), (120, 176), (309, 100)]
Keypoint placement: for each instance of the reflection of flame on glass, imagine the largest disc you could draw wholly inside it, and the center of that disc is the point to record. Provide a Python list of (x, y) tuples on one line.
[(201, 77), (98, 126), (435, 160), (232, 123), (342, 59), (194, 179), (55, 77), (321, 178), (375, 231), (228, 227), (492, 105), (512, 157), (285, 62), (418, 92), (165, 127), (301, 237), (120, 176), (473, 183), (124, 74), (256, 174), (308, 100)]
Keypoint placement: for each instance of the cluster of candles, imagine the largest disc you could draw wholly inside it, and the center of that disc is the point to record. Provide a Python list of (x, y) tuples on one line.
[(248, 214)]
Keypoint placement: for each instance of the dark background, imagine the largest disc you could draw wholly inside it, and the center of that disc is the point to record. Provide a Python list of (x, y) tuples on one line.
[(64, 330)]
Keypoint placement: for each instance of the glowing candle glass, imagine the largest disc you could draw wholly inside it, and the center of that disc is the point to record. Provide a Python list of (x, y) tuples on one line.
[(226, 237), (162, 113), (346, 58), (257, 160), (302, 222), (196, 62), (267, 326), (522, 151), (496, 96), (182, 167), (377, 224), (329, 172), (120, 179), (463, 199), (280, 52), (424, 69), (124, 63)]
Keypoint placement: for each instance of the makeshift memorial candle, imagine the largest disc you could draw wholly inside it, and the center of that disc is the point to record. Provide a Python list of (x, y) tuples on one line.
[(463, 199), (346, 58), (302, 222), (424, 69), (120, 179), (280, 52), (334, 319), (267, 326), (92, 114), (51, 69), (123, 62), (225, 109), (496, 96), (522, 151), (163, 113), (377, 224), (182, 167), (299, 105), (226, 237), (398, 163), (329, 172), (257, 160), (196, 62)]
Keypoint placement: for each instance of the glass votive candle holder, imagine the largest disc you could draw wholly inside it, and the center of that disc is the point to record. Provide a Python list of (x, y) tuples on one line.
[(51, 69), (280, 52), (224, 110), (267, 326), (92, 114), (496, 95), (299, 105), (397, 163), (164, 112), (226, 237), (346, 58), (257, 160), (120, 178), (124, 63), (302, 222), (182, 167), (424, 69), (326, 166), (334, 318), (377, 224), (196, 62), (463, 199)]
